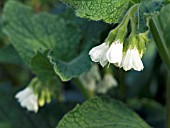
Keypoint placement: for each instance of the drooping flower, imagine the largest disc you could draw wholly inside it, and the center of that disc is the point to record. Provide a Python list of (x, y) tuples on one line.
[(114, 54), (28, 99), (93, 82), (107, 83), (98, 54), (132, 60), (90, 78)]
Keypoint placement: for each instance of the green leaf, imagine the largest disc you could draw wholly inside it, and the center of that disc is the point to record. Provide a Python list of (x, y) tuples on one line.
[(153, 112), (73, 68), (28, 32), (42, 67), (111, 11), (68, 44), (102, 112)]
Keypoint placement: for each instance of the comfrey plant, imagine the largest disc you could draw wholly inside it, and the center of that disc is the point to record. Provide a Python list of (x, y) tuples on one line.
[(123, 53), (57, 48)]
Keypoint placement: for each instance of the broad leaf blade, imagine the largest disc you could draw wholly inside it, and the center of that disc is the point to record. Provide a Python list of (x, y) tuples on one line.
[(111, 11), (31, 33), (102, 112), (72, 69)]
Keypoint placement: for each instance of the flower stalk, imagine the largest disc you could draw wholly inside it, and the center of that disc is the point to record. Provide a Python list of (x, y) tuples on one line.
[(113, 33), (86, 93)]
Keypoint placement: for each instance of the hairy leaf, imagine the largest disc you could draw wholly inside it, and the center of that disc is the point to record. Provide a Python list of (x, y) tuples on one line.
[(111, 11), (102, 113), (31, 33)]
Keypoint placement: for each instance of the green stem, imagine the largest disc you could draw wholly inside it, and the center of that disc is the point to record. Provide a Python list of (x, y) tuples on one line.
[(131, 12), (123, 29), (133, 25), (163, 51), (122, 26), (86, 93), (159, 40)]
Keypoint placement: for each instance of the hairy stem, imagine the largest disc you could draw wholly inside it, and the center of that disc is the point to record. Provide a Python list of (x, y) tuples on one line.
[(123, 25), (86, 93)]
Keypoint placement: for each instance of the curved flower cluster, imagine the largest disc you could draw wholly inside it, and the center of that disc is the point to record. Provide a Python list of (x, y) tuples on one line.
[(114, 54)]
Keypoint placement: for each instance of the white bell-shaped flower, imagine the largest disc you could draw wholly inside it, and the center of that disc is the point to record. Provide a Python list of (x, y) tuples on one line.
[(90, 78), (114, 54), (132, 60), (28, 99), (98, 54), (107, 83)]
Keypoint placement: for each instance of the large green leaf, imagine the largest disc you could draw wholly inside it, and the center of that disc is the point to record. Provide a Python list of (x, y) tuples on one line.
[(111, 11), (102, 113), (31, 33), (26, 30)]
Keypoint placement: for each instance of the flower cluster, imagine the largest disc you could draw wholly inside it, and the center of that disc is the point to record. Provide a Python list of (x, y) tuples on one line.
[(123, 47), (114, 54), (36, 95)]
